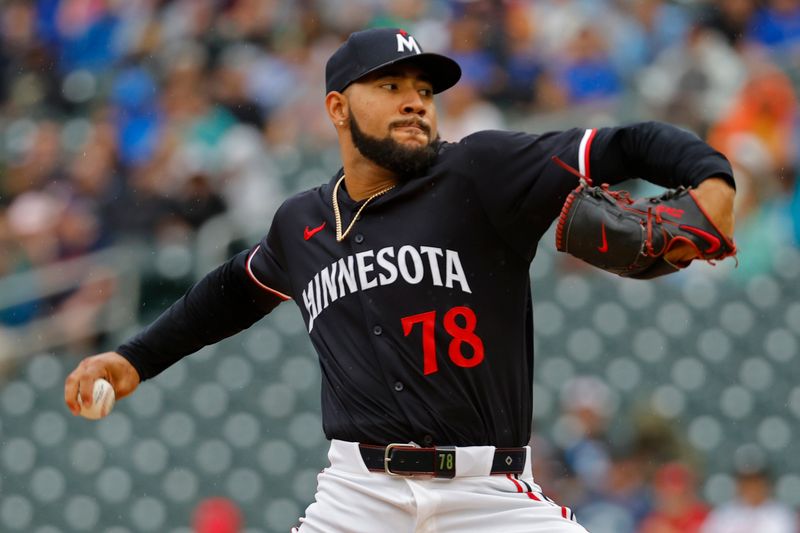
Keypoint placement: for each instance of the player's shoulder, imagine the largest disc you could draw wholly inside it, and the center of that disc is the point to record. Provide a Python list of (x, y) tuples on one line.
[(489, 140), (494, 141), (301, 202), (304, 198), (485, 148), (475, 142), (491, 136), (492, 144), (508, 139)]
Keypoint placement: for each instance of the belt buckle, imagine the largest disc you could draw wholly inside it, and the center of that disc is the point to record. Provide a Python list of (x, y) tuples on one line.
[(387, 456)]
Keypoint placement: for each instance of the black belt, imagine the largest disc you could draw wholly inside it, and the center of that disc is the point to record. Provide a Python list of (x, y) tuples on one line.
[(408, 460)]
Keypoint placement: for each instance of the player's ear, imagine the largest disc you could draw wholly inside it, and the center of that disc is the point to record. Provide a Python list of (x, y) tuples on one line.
[(338, 111)]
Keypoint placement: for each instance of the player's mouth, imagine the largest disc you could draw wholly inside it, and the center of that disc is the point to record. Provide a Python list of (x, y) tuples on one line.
[(413, 127)]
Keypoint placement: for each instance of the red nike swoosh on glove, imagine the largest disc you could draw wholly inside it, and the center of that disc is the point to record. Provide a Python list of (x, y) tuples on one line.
[(603, 247), (308, 233), (713, 242)]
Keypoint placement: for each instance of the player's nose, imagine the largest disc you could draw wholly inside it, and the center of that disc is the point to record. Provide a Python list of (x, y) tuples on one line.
[(414, 104)]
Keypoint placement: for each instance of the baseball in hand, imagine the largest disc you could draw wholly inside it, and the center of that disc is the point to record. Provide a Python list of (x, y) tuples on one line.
[(103, 399)]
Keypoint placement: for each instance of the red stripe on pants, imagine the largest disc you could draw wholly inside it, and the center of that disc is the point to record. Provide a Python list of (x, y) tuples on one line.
[(516, 483)]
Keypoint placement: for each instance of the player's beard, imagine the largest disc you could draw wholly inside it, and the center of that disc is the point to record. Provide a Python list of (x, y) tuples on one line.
[(404, 161)]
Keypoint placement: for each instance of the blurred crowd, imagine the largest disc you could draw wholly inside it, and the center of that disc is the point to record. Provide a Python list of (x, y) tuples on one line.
[(649, 480), (142, 120)]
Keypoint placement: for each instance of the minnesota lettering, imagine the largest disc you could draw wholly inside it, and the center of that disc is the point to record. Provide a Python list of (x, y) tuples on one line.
[(370, 269)]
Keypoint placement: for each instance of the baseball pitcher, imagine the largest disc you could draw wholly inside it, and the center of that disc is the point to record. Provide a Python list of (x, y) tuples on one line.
[(410, 268)]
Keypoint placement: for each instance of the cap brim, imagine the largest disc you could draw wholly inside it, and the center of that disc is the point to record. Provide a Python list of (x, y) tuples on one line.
[(442, 71)]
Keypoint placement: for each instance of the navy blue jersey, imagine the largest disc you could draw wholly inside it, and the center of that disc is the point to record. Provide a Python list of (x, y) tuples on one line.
[(422, 316)]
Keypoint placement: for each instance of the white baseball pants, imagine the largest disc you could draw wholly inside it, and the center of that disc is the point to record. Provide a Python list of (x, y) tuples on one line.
[(351, 499)]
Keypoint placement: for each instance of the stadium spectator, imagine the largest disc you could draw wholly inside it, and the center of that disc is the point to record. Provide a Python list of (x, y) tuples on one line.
[(677, 508), (777, 25), (586, 405), (466, 112), (730, 18), (217, 515), (588, 73), (754, 509)]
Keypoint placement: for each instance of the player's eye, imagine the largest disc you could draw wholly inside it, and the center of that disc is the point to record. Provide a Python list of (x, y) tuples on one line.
[(426, 92), (389, 86)]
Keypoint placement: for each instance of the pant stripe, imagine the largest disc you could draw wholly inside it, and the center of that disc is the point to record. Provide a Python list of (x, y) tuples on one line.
[(519, 487), (566, 512)]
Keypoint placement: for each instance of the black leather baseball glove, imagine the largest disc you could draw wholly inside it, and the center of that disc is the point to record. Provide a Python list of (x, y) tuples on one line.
[(630, 237)]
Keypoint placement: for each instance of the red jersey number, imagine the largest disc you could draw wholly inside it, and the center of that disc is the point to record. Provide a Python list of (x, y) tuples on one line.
[(459, 322)]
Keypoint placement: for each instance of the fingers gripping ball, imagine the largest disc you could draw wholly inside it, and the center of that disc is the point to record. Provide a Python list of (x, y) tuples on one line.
[(103, 398)]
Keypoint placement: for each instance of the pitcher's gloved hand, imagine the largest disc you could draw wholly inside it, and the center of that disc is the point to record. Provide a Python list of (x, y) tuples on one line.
[(638, 238)]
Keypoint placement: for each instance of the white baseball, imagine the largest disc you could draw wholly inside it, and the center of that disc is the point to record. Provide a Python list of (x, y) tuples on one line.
[(103, 398)]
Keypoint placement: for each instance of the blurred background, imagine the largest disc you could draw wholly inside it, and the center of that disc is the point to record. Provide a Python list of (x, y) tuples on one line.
[(144, 141)]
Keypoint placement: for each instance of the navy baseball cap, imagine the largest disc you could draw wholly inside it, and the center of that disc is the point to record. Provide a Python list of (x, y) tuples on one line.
[(369, 50)]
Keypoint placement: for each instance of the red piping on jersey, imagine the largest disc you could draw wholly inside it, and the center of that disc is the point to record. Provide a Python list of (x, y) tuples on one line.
[(563, 511), (255, 280), (586, 151)]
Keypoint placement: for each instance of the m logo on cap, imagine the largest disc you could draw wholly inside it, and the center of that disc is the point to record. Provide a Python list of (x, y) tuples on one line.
[(368, 50), (407, 42)]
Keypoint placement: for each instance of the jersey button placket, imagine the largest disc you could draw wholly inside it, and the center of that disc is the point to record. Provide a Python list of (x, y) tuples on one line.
[(377, 331), (358, 238), (398, 386)]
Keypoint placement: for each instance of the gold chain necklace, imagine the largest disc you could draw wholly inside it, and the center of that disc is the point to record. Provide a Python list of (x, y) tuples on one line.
[(339, 235)]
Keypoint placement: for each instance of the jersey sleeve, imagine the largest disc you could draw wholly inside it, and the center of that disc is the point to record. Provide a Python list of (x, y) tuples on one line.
[(266, 268), (523, 190), (520, 188), (226, 301), (659, 153)]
